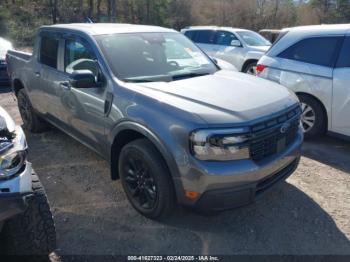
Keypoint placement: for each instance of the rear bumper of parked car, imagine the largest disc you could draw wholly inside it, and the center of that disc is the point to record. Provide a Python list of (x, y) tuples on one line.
[(14, 193), (226, 185)]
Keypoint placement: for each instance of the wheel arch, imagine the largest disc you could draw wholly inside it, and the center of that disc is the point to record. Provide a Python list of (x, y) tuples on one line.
[(247, 62), (17, 85), (127, 132), (325, 114)]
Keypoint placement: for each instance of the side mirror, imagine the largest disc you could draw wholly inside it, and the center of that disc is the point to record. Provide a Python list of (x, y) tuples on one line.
[(236, 43), (83, 79)]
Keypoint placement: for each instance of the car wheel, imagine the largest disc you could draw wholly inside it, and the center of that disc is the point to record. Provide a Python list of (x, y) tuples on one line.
[(250, 69), (31, 121), (32, 232), (313, 119), (146, 179)]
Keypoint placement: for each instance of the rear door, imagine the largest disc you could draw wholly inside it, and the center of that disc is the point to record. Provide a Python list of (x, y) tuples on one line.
[(205, 40), (341, 91), (44, 95)]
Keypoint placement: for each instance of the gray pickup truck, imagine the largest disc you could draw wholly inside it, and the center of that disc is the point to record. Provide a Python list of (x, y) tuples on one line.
[(174, 126)]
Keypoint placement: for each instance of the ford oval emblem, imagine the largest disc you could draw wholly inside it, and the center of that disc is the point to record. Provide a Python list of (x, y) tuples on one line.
[(284, 128)]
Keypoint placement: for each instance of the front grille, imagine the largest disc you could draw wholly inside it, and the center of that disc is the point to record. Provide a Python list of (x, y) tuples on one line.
[(268, 138)]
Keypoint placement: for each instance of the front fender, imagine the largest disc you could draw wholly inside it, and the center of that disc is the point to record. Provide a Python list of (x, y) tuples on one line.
[(162, 148), (146, 132)]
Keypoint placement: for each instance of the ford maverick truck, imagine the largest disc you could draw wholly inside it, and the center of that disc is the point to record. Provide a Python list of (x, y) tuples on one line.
[(175, 127)]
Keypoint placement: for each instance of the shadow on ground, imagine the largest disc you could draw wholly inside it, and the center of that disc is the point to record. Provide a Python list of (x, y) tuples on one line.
[(93, 216), (330, 151)]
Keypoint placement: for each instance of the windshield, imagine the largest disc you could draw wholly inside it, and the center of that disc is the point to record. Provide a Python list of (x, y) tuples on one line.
[(253, 39), (4, 47), (146, 57)]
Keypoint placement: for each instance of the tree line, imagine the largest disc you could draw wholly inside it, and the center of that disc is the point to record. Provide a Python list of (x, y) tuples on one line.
[(20, 18)]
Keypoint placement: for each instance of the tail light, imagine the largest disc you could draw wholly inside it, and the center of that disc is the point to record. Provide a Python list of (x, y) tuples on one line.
[(260, 68)]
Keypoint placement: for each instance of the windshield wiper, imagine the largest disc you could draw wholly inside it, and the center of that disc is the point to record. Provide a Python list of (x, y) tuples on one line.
[(188, 75), (147, 79)]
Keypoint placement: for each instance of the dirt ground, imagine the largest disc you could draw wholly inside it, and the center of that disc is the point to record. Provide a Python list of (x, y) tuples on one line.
[(309, 214)]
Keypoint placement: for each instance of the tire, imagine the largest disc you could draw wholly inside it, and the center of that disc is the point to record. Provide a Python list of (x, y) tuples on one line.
[(31, 121), (32, 232), (317, 113), (250, 68), (146, 178)]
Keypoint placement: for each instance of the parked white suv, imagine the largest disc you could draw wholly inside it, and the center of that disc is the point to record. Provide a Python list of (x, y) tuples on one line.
[(314, 62), (242, 48)]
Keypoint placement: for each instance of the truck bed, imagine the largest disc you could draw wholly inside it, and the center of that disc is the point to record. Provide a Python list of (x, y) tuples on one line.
[(19, 55), (18, 64)]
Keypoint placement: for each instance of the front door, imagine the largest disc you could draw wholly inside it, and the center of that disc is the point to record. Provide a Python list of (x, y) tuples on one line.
[(225, 51), (83, 108)]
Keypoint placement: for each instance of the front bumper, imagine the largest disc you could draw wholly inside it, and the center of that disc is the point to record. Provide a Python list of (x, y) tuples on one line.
[(14, 193), (217, 200), (229, 184)]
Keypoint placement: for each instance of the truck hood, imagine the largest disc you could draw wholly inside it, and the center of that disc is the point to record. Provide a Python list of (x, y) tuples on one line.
[(225, 97)]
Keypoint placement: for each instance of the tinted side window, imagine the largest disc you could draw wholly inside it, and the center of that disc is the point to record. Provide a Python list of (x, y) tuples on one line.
[(344, 56), (205, 36), (49, 51), (319, 51), (190, 34), (224, 38), (79, 56)]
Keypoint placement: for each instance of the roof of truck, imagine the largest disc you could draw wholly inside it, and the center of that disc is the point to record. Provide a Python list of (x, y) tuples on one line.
[(322, 27), (110, 28)]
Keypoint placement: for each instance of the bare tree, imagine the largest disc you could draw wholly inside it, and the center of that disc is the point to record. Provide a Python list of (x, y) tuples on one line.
[(113, 11), (54, 10), (91, 9), (98, 10)]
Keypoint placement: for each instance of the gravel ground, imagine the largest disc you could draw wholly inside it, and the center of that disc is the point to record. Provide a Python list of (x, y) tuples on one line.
[(309, 214)]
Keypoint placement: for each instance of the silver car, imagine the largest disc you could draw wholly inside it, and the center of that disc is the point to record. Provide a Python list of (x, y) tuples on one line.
[(174, 126), (313, 61), (242, 48)]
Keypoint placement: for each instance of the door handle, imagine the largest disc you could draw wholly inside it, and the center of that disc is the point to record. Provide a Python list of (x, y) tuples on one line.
[(65, 85), (37, 74)]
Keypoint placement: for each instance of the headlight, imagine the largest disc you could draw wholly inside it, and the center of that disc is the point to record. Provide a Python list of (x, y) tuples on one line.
[(12, 163), (220, 145), (13, 159)]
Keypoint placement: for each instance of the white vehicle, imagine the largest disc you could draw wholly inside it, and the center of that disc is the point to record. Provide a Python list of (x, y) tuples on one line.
[(242, 48), (26, 223), (314, 62)]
